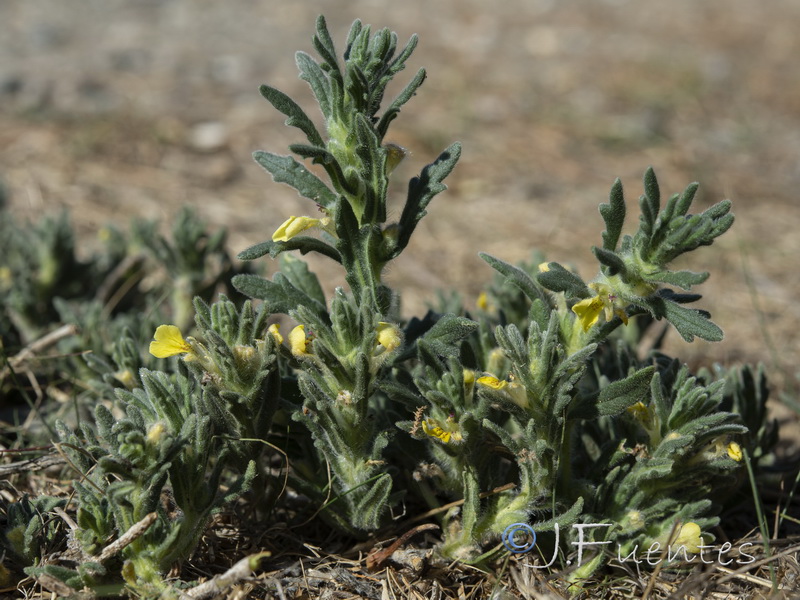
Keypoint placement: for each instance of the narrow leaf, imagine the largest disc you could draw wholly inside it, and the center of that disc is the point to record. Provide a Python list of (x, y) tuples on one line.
[(683, 279), (311, 72), (297, 117), (394, 108), (422, 189), (304, 244), (613, 214), (619, 395), (279, 294), (285, 169), (689, 322), (608, 258), (443, 338), (518, 277), (559, 279)]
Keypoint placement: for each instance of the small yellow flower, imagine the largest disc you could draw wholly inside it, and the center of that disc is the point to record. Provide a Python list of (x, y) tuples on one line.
[(168, 341), (126, 378), (483, 301), (389, 336), (5, 276), (645, 415), (544, 267), (469, 377), (496, 361), (296, 225), (298, 343), (689, 537), (275, 331), (155, 433), (634, 520), (515, 391), (735, 451), (448, 433), (588, 310), (394, 156), (518, 393), (492, 382)]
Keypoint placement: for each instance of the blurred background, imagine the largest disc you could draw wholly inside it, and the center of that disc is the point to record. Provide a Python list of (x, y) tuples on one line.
[(115, 109)]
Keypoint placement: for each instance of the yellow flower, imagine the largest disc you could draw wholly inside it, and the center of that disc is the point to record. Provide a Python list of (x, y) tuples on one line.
[(155, 433), (689, 537), (496, 361), (446, 434), (469, 377), (544, 267), (492, 382), (126, 378), (389, 336), (296, 225), (298, 343), (5, 276), (515, 391), (275, 331), (482, 302), (394, 156), (588, 310), (645, 415), (634, 520), (735, 451), (168, 341)]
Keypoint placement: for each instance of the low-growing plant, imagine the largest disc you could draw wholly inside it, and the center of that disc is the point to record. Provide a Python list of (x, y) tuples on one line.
[(541, 407)]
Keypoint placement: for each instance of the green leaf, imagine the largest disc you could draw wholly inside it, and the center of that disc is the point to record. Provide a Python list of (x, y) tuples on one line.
[(443, 338), (565, 519), (290, 108), (347, 230), (299, 275), (619, 395), (368, 505), (285, 169), (559, 279), (394, 108), (324, 45), (652, 192), (611, 261), (613, 214), (421, 191), (311, 72), (686, 199), (689, 322), (683, 279), (373, 156), (279, 294), (304, 244), (518, 277), (322, 157)]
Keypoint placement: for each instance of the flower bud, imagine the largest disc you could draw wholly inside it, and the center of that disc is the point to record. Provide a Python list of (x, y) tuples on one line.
[(389, 336)]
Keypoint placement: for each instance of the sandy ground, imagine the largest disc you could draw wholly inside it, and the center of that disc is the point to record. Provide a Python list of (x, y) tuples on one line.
[(117, 109)]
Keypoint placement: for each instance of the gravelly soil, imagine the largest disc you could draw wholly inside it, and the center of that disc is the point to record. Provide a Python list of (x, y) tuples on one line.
[(118, 109)]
